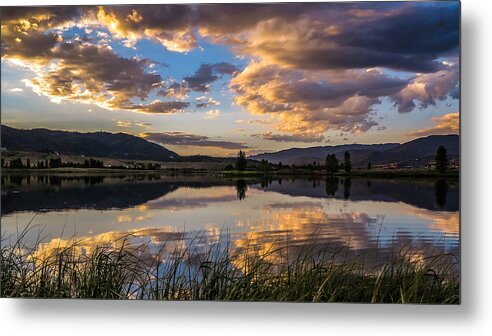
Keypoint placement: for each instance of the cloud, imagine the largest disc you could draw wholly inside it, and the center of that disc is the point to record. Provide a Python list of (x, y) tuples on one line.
[(190, 139), (130, 124), (160, 107), (427, 89), (313, 67), (340, 36), (208, 73), (177, 90), (170, 25), (446, 124), (255, 121), (93, 74), (200, 81), (206, 102), (17, 89), (212, 114), (225, 68), (289, 137), (311, 103)]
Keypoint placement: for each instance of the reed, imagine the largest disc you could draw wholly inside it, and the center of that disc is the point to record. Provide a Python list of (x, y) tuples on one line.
[(121, 270)]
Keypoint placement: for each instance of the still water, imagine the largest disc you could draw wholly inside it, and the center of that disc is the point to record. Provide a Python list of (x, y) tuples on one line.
[(368, 217)]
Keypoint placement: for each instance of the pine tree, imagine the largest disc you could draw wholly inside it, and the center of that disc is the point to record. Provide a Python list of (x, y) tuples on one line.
[(241, 161), (331, 164), (347, 164)]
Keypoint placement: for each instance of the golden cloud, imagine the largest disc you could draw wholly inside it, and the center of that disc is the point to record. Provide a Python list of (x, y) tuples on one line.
[(446, 124), (310, 103)]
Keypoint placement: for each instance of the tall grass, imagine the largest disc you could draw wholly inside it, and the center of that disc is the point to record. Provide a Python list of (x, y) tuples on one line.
[(121, 270)]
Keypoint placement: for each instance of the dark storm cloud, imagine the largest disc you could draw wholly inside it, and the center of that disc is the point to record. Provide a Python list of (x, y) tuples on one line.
[(208, 73), (43, 17), (33, 47), (409, 37), (235, 18), (341, 57), (415, 30), (200, 81), (225, 68), (190, 139)]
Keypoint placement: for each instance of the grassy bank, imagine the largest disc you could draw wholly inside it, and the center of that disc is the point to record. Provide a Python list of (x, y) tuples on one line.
[(375, 173), (123, 271)]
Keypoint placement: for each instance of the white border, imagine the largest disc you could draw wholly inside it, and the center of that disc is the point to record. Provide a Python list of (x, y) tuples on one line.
[(473, 317)]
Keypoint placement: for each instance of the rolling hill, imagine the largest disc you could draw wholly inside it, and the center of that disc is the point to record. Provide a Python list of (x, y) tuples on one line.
[(415, 153), (95, 144)]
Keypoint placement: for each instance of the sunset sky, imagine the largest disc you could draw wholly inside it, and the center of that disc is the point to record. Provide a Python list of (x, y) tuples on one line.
[(214, 79)]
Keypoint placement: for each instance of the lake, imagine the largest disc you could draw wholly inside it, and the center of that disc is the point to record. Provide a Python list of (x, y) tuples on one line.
[(372, 218)]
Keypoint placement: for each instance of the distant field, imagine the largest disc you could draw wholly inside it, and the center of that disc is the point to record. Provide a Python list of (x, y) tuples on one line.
[(36, 156)]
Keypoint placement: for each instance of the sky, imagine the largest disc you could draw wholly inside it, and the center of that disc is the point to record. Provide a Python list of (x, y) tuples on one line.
[(216, 79)]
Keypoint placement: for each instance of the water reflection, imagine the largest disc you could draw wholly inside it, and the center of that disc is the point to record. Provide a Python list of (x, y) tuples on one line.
[(441, 191), (331, 186), (58, 192), (371, 218), (241, 188), (347, 184)]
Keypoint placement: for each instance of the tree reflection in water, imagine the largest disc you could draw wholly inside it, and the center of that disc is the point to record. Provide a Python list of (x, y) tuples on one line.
[(347, 184), (331, 186), (441, 191), (241, 188)]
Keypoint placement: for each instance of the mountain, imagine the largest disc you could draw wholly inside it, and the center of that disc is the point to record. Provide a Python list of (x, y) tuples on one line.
[(421, 150), (417, 153), (319, 153), (95, 144)]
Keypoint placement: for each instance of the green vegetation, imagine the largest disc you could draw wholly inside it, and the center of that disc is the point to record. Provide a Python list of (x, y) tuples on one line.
[(223, 273)]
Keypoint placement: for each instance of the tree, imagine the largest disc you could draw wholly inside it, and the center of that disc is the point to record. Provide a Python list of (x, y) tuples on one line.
[(369, 165), (264, 166), (441, 159), (28, 163), (16, 164), (241, 161), (331, 164), (346, 162)]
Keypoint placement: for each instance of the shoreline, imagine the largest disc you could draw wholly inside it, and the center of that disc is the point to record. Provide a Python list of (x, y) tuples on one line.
[(404, 173)]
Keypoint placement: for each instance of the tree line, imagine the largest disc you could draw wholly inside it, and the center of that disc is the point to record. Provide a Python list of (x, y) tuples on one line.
[(18, 163), (332, 165)]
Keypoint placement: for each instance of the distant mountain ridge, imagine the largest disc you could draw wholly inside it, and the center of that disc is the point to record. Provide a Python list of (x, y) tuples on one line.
[(95, 144), (418, 152)]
